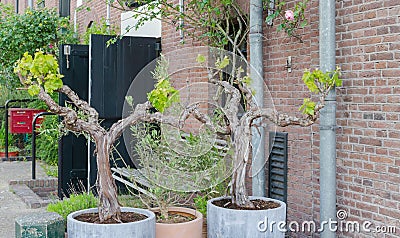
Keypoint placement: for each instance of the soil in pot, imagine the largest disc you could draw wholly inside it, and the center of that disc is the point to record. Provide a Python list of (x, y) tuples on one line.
[(175, 217), (258, 204), (126, 217)]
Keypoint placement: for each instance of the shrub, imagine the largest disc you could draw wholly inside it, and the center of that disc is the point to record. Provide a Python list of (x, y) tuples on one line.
[(74, 203)]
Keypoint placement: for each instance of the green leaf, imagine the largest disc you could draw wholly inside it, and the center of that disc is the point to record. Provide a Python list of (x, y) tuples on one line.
[(280, 27), (223, 63), (33, 90), (200, 58), (129, 100), (308, 107)]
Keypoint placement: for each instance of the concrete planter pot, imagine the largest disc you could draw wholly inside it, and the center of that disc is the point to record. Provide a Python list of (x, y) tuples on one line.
[(231, 223), (140, 229), (192, 229)]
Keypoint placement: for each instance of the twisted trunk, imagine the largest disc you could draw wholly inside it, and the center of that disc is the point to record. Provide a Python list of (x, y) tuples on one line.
[(109, 206), (242, 143)]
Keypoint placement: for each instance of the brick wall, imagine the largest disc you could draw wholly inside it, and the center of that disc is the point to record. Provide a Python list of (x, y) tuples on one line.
[(94, 10), (368, 161), (23, 4), (368, 51), (43, 187)]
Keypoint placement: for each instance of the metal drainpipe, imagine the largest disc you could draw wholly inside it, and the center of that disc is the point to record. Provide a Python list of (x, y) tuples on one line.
[(257, 73), (30, 4), (75, 22), (108, 24), (16, 6), (181, 22), (327, 51)]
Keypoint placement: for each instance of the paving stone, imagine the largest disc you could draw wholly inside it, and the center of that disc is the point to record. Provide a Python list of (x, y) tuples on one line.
[(40, 225), (27, 195)]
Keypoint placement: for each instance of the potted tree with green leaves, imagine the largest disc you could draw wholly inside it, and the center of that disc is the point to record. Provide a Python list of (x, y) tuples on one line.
[(40, 74), (224, 24)]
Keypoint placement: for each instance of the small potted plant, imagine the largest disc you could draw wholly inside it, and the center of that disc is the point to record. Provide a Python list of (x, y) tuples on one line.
[(174, 218)]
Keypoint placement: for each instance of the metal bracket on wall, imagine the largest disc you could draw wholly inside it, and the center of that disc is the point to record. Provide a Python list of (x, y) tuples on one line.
[(289, 64), (67, 53), (332, 128)]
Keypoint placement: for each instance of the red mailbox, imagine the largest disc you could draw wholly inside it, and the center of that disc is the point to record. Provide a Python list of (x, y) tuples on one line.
[(21, 119)]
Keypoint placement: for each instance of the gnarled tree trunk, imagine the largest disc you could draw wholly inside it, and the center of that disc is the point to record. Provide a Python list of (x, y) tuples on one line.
[(242, 143), (109, 207)]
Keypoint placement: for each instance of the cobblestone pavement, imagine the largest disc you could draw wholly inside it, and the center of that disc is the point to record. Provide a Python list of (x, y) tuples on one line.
[(11, 206)]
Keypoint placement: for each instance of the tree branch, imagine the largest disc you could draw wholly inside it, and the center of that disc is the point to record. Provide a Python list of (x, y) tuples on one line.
[(83, 105), (70, 117)]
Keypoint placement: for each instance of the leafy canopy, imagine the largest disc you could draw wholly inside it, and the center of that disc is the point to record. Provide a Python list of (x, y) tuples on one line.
[(39, 71), (164, 94), (34, 29), (318, 82)]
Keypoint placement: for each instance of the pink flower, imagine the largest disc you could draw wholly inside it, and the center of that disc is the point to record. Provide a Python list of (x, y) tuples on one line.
[(289, 15), (51, 46)]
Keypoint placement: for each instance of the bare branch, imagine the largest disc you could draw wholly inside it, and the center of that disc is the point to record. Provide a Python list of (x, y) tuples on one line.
[(83, 105), (70, 117)]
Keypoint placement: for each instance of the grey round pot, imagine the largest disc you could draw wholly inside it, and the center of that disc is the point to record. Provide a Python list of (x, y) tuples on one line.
[(231, 223), (141, 229)]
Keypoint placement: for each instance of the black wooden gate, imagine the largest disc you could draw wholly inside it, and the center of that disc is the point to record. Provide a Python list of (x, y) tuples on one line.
[(72, 149), (112, 70)]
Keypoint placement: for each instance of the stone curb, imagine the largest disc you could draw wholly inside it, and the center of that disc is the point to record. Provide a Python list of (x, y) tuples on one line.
[(28, 196)]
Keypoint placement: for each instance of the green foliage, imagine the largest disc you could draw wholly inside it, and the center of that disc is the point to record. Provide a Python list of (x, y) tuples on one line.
[(221, 64), (200, 203), (318, 82), (99, 29), (50, 170), (288, 25), (74, 203), (2, 135), (20, 33), (214, 20), (41, 70), (308, 107), (47, 140), (164, 94)]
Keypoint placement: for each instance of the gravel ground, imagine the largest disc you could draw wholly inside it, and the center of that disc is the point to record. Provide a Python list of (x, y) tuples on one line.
[(11, 206)]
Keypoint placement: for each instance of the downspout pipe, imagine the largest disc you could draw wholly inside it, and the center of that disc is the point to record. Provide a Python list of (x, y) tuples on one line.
[(30, 4), (108, 17), (256, 73), (17, 6), (327, 51)]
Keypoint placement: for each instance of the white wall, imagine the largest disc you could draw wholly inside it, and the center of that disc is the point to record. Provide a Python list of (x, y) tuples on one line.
[(149, 29)]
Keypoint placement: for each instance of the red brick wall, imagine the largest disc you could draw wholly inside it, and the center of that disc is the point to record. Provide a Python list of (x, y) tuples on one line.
[(93, 10), (23, 4), (368, 35), (368, 142)]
